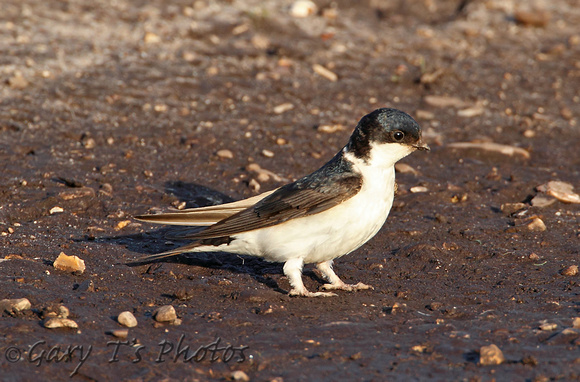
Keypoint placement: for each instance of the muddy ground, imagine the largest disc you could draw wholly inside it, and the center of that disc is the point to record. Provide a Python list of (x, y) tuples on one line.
[(111, 109)]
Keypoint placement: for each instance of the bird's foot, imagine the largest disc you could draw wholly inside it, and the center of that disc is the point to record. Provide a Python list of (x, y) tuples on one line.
[(347, 287), (306, 293)]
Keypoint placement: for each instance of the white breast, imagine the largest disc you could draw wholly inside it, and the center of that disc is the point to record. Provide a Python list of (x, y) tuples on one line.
[(332, 233)]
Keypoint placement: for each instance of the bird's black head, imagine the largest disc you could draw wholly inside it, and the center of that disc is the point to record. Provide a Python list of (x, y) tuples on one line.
[(385, 126)]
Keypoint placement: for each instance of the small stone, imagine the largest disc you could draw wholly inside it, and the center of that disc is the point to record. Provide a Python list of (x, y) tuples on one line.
[(263, 177), (571, 270), (417, 189), (547, 326), (88, 143), (443, 101), (534, 18), (268, 153), (122, 224), (56, 210), (324, 72), (86, 286), (254, 185), (58, 322), (470, 112), (128, 319), (18, 81), (537, 225), (404, 168), (151, 38), (542, 201), (576, 322), (534, 257), (491, 355), (511, 208), (260, 42), (165, 313), (225, 154), (303, 8), (435, 305), (566, 113), (424, 114), (12, 306), (560, 190), (491, 146), (282, 108), (120, 333), (329, 129), (530, 360), (76, 193), (239, 375), (69, 263), (63, 311)]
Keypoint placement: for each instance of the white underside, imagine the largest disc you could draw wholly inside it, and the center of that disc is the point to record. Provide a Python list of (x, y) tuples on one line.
[(334, 232)]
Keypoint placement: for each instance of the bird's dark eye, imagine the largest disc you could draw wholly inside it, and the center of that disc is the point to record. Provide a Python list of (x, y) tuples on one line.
[(398, 135)]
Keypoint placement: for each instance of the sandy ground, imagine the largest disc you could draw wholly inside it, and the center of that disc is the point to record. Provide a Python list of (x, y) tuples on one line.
[(109, 109)]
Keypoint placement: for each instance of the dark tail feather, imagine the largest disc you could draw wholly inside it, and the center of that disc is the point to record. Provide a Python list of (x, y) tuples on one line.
[(164, 255)]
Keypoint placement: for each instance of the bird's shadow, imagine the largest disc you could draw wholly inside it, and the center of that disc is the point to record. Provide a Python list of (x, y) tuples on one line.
[(156, 241)]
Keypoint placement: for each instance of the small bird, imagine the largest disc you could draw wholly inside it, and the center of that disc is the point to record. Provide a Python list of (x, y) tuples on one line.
[(316, 219)]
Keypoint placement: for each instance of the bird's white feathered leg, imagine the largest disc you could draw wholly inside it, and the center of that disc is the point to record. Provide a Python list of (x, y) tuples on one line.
[(293, 270), (335, 282)]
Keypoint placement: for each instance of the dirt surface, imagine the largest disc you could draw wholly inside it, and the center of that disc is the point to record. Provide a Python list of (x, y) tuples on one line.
[(111, 109)]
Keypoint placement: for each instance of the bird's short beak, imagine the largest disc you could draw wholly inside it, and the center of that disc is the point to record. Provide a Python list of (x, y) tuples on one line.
[(421, 146)]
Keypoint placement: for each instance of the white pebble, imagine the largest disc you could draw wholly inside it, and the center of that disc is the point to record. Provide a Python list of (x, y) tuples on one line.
[(127, 319)]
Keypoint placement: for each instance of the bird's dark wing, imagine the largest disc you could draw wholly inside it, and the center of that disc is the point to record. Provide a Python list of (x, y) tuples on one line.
[(289, 202)]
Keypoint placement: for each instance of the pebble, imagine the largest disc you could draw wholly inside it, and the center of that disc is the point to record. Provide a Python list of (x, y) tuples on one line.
[(56, 210), (282, 108), (534, 257), (547, 326), (151, 38), (537, 225), (443, 101), (470, 112), (542, 201), (254, 185), (329, 129), (239, 375), (324, 72), (69, 263), (491, 146), (128, 319), (165, 313), (76, 193), (424, 114), (560, 190), (566, 113), (571, 270), (86, 286), (268, 153), (18, 81), (417, 189), (511, 208), (303, 8), (491, 355), (534, 18), (14, 305), (58, 322), (576, 322), (404, 168), (226, 154), (122, 224)]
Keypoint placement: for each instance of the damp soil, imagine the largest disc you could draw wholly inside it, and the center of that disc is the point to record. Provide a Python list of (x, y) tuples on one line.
[(111, 109)]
